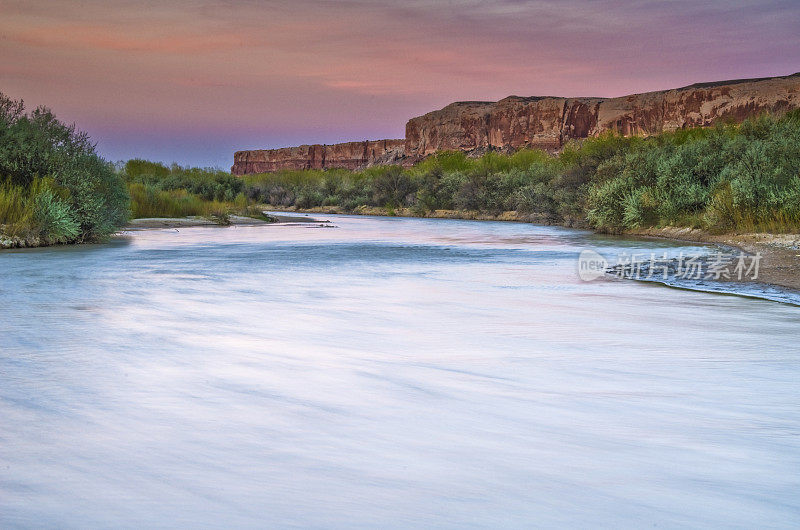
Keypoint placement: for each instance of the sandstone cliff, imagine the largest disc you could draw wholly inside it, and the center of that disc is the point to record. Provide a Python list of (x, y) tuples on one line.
[(540, 122), (549, 122), (350, 155)]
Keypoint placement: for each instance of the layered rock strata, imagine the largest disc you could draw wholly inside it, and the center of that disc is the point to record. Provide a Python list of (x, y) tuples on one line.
[(540, 122), (350, 155)]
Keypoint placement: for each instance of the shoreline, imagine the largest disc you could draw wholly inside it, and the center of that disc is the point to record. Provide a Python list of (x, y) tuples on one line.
[(160, 223), (780, 263), (780, 253), (151, 223), (779, 267), (156, 223), (467, 215)]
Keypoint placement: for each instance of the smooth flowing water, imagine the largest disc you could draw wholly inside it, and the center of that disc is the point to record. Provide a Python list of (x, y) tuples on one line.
[(386, 373)]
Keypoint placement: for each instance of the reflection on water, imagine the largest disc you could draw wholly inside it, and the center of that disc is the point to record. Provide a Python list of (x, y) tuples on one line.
[(386, 373)]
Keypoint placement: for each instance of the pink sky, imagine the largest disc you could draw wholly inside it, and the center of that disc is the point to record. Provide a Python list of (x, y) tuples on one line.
[(191, 81)]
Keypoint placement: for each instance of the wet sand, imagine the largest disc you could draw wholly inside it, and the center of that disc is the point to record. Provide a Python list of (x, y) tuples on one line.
[(780, 262)]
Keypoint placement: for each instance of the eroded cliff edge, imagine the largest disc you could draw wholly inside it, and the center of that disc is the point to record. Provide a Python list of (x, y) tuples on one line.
[(540, 122), (349, 155)]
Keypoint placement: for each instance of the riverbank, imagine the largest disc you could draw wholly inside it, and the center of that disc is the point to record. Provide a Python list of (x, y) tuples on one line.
[(9, 242), (780, 253), (470, 215), (156, 223), (150, 223), (184, 222), (779, 265)]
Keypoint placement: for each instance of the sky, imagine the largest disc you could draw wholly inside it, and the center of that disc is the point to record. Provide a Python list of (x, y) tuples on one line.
[(192, 81)]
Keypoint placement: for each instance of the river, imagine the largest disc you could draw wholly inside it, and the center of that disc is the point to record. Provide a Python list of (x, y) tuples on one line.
[(387, 373)]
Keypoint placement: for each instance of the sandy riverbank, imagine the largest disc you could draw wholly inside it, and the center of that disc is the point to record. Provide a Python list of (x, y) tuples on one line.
[(780, 262), (470, 215), (235, 220)]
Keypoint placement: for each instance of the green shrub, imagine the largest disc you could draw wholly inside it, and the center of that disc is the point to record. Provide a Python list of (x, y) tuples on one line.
[(535, 198), (607, 204), (139, 169), (309, 198), (39, 210), (81, 188), (391, 186), (721, 213), (445, 162), (54, 218), (148, 201)]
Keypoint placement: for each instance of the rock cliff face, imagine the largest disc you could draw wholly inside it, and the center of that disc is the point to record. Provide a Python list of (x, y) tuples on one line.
[(540, 122), (549, 122), (350, 155)]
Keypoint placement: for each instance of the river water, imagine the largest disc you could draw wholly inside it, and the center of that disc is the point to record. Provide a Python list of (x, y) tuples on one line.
[(386, 373)]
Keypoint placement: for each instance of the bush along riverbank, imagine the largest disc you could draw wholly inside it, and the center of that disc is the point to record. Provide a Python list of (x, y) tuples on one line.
[(725, 178), (720, 179), (54, 188), (158, 191)]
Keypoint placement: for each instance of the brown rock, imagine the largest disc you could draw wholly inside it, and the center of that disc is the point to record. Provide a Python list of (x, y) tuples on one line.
[(549, 122), (540, 122), (350, 155)]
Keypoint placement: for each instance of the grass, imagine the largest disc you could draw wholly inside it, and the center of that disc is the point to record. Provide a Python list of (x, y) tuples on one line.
[(17, 210), (149, 201)]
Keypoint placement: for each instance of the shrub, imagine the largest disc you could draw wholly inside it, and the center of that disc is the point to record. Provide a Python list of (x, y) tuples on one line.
[(535, 198), (54, 218), (39, 210), (80, 188), (606, 201), (721, 214), (17, 210), (309, 198), (391, 186)]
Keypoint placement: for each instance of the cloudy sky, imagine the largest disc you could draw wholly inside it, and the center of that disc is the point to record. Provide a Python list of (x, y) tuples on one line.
[(191, 81)]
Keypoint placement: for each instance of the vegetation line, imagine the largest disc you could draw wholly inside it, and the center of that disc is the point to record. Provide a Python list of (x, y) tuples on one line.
[(731, 177), (54, 188)]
